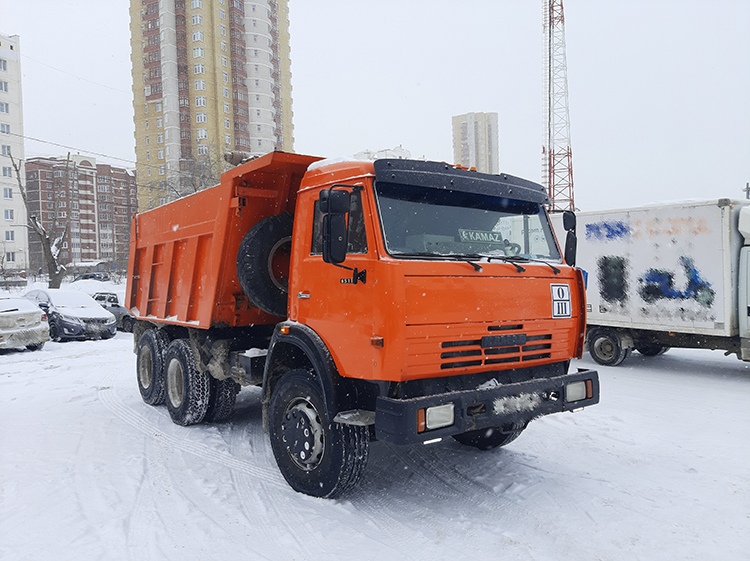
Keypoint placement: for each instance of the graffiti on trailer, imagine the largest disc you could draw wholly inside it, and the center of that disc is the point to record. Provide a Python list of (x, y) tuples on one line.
[(607, 230), (658, 284)]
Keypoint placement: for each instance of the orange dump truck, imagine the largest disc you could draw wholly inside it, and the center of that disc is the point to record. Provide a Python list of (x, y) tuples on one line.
[(395, 300)]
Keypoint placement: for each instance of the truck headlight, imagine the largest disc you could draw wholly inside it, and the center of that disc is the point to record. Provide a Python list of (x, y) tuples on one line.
[(576, 391), (435, 417)]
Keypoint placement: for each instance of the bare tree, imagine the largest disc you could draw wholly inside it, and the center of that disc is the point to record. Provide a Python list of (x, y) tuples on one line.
[(195, 174), (50, 244)]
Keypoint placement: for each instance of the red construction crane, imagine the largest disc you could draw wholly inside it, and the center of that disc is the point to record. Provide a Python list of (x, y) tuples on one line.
[(557, 156)]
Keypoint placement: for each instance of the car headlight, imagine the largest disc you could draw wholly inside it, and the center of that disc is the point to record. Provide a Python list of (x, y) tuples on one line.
[(111, 320)]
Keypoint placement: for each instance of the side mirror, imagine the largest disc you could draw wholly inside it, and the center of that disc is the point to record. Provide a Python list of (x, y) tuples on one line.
[(571, 247), (569, 221), (334, 204)]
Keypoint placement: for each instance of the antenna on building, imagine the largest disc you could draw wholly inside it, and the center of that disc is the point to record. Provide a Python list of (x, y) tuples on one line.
[(557, 156)]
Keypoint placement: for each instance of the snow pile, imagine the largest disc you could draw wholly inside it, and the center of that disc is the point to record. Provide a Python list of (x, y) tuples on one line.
[(660, 469)]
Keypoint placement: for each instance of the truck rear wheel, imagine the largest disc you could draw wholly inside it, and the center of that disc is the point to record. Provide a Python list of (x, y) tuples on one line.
[(316, 456), (150, 366), (222, 395), (187, 388), (263, 263), (487, 439), (651, 350), (606, 347)]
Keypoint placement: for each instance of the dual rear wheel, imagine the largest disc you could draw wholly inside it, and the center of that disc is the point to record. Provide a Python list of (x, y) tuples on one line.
[(168, 373)]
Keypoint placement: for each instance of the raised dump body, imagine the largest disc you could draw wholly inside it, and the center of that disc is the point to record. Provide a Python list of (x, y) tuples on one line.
[(183, 256)]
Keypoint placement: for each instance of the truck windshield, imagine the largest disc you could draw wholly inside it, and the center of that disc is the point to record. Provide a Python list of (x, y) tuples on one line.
[(424, 221)]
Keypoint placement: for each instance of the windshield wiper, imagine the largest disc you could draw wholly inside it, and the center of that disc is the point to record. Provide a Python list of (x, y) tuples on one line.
[(512, 258), (453, 257)]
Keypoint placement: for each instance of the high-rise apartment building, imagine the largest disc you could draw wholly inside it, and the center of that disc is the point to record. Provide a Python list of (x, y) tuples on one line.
[(209, 76), (475, 141), (14, 246), (91, 203)]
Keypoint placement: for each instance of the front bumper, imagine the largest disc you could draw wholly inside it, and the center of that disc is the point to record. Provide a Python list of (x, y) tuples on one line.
[(86, 330), (397, 420)]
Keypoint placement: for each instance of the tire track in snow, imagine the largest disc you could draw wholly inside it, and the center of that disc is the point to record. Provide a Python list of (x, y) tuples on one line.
[(110, 399)]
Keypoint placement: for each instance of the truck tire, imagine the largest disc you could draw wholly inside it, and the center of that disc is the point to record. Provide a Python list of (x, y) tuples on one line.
[(487, 439), (651, 349), (127, 324), (606, 348), (316, 456), (150, 366), (222, 395), (187, 387), (262, 267)]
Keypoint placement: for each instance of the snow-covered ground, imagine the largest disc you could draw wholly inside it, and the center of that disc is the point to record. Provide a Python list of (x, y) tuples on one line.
[(660, 469)]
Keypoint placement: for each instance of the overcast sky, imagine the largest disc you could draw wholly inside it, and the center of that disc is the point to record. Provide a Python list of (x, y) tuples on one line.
[(659, 89)]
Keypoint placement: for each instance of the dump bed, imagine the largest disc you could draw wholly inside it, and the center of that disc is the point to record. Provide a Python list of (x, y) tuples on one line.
[(669, 267), (182, 267)]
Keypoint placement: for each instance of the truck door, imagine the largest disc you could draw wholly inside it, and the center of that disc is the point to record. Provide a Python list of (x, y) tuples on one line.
[(336, 301)]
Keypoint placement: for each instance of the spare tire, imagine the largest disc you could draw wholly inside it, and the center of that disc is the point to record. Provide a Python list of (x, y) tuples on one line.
[(263, 263)]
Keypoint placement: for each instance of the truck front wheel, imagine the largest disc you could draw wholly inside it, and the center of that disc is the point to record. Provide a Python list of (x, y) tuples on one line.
[(487, 439), (316, 456), (150, 366), (187, 388), (606, 347)]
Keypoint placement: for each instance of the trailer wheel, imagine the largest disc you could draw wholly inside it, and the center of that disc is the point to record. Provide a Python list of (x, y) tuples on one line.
[(150, 366), (606, 348), (263, 263), (487, 439), (651, 350), (222, 395), (187, 388), (315, 455)]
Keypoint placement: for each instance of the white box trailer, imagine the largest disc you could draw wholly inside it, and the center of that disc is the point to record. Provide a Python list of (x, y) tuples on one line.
[(669, 275)]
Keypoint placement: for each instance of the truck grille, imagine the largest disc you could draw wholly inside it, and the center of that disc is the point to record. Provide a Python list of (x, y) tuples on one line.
[(478, 347)]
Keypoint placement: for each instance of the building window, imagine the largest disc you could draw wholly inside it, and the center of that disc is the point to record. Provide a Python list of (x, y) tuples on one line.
[(198, 36), (226, 92), (223, 30), (198, 52), (62, 214), (197, 4), (161, 172), (7, 171), (161, 154), (200, 101), (7, 191), (3, 65), (8, 214), (4, 128), (197, 19), (3, 86), (202, 133), (227, 139), (222, 14), (200, 84), (6, 150), (10, 235), (4, 107), (202, 150), (200, 117), (226, 108), (199, 69), (10, 257), (223, 61), (225, 77)]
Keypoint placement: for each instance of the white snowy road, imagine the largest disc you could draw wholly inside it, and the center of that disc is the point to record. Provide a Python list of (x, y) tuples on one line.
[(660, 469)]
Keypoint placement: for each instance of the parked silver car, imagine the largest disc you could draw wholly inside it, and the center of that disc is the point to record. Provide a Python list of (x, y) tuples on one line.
[(73, 315), (22, 324)]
